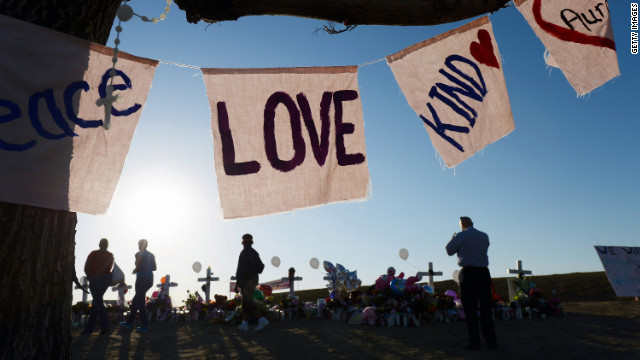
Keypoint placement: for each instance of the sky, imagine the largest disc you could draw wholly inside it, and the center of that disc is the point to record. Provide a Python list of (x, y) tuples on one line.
[(564, 180)]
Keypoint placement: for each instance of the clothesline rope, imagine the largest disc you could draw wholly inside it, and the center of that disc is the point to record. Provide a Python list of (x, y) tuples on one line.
[(198, 67)]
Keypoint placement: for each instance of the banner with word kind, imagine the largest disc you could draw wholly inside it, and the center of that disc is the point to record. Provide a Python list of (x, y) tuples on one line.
[(454, 82), (54, 93), (578, 37), (286, 138), (622, 265)]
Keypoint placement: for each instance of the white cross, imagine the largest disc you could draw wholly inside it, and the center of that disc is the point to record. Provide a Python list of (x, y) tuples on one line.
[(431, 274), (167, 285), (85, 285), (519, 270), (108, 101), (120, 289), (208, 280), (297, 278)]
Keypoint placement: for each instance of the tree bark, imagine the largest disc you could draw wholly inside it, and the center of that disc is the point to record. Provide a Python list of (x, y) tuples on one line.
[(37, 245), (348, 12)]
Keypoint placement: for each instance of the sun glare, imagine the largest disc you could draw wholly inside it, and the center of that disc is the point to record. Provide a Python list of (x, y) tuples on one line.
[(160, 207)]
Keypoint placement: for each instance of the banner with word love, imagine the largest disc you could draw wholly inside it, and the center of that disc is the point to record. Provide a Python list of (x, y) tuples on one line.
[(454, 82), (286, 138), (578, 37), (54, 94), (622, 265)]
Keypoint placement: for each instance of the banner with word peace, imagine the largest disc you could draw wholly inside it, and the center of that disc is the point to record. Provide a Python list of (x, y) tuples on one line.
[(454, 82), (286, 138), (578, 37), (54, 152)]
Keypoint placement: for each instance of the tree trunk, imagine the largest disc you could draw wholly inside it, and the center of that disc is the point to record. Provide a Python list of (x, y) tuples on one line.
[(37, 245), (348, 12)]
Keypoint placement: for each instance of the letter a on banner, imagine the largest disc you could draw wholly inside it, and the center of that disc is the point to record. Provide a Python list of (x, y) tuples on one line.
[(454, 82), (286, 138), (578, 37), (54, 153)]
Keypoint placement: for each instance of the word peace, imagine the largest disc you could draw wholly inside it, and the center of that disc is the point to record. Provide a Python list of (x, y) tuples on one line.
[(47, 95), (319, 143)]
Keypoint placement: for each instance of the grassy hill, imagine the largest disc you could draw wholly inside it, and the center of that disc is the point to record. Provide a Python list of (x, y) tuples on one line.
[(592, 286)]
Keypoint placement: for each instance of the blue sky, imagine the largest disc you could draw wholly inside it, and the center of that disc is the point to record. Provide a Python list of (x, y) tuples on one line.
[(563, 181)]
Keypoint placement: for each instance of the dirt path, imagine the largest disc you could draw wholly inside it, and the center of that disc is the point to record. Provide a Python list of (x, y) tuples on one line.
[(598, 330)]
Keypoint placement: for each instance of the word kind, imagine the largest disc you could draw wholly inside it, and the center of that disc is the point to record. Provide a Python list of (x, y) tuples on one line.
[(473, 88), (319, 142), (10, 111)]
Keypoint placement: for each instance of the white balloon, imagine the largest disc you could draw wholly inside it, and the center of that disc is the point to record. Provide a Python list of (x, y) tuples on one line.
[(275, 261), (196, 266), (456, 276), (315, 263), (404, 254)]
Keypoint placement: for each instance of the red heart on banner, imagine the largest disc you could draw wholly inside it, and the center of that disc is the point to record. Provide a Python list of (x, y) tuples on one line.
[(483, 51), (568, 34)]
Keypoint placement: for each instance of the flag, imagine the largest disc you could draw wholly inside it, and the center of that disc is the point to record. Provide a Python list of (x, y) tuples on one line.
[(455, 83), (286, 138), (578, 37), (54, 153)]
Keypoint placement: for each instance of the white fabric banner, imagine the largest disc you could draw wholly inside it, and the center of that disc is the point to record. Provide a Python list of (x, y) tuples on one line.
[(286, 138), (579, 38), (622, 265), (455, 83), (54, 153)]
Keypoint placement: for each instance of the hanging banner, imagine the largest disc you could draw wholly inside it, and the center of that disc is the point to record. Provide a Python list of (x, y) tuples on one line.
[(286, 138), (622, 265), (454, 82), (54, 152), (578, 37)]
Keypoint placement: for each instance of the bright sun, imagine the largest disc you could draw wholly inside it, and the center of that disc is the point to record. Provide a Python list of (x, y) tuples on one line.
[(159, 207)]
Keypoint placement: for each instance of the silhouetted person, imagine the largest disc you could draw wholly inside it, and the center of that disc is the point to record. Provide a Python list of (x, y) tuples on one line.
[(145, 266), (249, 266), (98, 270), (471, 246)]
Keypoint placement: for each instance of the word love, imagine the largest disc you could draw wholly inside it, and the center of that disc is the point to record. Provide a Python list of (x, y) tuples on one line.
[(10, 111), (469, 86), (319, 142)]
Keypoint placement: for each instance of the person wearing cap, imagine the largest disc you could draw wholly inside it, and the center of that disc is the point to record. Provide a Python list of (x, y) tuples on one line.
[(249, 266), (98, 270), (472, 245), (145, 266)]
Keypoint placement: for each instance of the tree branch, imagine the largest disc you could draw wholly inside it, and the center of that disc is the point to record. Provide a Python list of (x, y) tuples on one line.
[(348, 12)]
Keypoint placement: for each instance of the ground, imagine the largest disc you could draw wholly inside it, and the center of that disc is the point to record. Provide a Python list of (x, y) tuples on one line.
[(589, 330)]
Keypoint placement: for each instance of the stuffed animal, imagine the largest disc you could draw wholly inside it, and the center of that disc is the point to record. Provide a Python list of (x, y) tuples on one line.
[(369, 315)]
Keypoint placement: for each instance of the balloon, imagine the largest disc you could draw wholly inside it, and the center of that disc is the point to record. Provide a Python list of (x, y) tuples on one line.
[(456, 276), (391, 271), (397, 286), (196, 266), (266, 289), (451, 293), (428, 289), (328, 267), (257, 294), (314, 263), (154, 295), (275, 261), (163, 280), (404, 254), (341, 269)]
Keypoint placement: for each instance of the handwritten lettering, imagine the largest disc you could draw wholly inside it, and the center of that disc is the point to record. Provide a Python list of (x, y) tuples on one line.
[(473, 88), (60, 128), (569, 16), (299, 111)]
